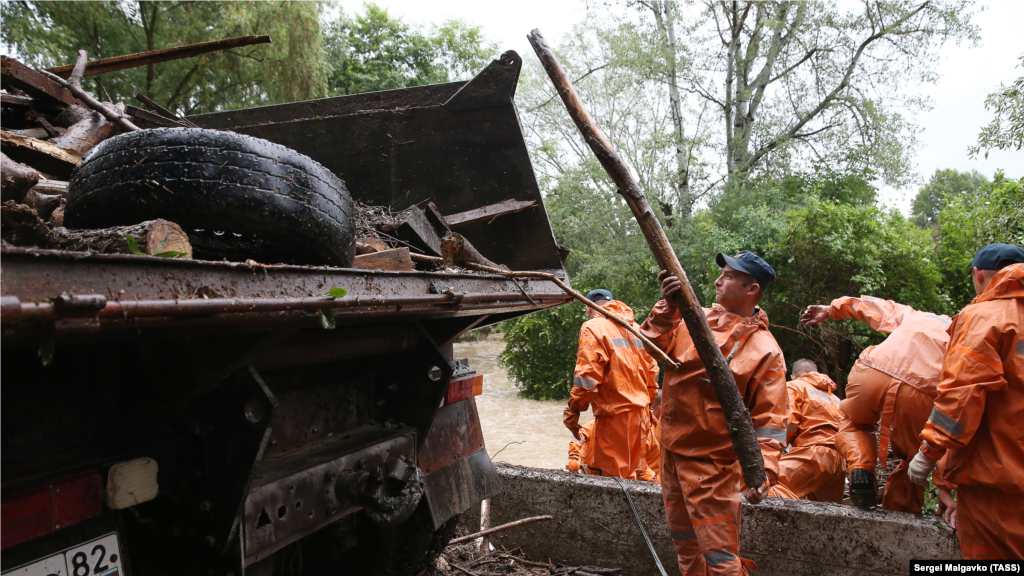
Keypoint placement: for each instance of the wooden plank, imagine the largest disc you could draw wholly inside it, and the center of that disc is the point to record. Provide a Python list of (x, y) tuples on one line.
[(397, 259), (58, 187), (33, 83), (39, 154), (152, 57), (488, 212), (140, 114)]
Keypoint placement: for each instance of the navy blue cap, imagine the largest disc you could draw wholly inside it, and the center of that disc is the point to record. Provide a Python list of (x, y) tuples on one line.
[(998, 256), (749, 263), (598, 295)]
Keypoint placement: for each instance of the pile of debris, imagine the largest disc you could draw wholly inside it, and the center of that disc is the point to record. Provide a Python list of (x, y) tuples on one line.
[(465, 559)]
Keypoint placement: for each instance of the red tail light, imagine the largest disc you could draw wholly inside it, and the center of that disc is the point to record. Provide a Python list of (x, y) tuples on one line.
[(39, 511)]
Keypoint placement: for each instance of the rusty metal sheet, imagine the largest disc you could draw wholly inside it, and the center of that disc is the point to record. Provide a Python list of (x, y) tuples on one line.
[(458, 486), (455, 434)]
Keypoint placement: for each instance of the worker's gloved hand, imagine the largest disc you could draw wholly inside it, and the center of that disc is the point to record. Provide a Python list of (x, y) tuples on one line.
[(669, 286), (862, 488), (920, 467), (571, 419)]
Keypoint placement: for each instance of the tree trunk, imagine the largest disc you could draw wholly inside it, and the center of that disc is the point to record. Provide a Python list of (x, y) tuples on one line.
[(82, 136), (152, 237), (664, 15)]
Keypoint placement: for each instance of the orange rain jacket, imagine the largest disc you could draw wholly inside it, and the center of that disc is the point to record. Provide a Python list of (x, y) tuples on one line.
[(692, 423), (616, 377), (976, 422), (915, 347), (813, 466)]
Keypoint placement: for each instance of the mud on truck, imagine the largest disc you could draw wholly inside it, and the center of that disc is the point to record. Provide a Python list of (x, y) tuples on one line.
[(228, 339)]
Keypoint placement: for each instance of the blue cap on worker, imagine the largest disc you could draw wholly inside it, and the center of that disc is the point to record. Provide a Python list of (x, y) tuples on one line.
[(749, 263), (997, 256), (596, 296)]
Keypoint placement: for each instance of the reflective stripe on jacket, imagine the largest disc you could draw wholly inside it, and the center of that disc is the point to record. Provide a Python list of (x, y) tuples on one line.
[(614, 373), (814, 413), (692, 422), (979, 412), (916, 344)]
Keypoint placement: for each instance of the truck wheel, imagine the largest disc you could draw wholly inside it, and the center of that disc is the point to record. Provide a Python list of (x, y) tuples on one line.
[(234, 195), (364, 549)]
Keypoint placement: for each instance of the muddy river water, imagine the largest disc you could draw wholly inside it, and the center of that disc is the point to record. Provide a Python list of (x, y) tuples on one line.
[(526, 432)]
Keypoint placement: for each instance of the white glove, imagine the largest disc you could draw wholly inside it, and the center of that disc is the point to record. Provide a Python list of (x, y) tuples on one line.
[(920, 467)]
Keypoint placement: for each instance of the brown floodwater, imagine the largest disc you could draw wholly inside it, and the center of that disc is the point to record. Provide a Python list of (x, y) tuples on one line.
[(526, 432)]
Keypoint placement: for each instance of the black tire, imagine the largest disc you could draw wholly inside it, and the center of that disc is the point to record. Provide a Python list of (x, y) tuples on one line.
[(403, 550), (236, 196)]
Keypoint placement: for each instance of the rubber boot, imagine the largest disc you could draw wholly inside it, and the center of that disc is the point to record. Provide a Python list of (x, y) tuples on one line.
[(863, 493)]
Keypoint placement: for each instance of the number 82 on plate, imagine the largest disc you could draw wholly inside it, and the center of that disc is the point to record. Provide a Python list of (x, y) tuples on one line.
[(100, 557)]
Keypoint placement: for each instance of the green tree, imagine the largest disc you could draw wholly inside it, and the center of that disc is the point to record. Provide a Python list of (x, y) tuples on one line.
[(375, 50), (943, 186), (1006, 131), (47, 34), (969, 222)]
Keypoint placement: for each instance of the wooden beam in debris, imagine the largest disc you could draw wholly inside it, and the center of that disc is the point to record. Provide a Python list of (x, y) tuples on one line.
[(152, 57), (488, 213), (156, 107), (397, 259), (147, 116), (33, 83), (39, 154)]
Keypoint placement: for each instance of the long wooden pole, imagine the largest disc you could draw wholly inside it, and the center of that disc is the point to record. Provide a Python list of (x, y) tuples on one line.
[(738, 423)]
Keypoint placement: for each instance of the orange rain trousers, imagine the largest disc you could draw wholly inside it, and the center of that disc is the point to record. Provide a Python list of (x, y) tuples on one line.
[(975, 427), (813, 467), (871, 396), (618, 379), (702, 502)]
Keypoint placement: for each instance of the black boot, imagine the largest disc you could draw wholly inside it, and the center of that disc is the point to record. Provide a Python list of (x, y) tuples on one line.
[(863, 493)]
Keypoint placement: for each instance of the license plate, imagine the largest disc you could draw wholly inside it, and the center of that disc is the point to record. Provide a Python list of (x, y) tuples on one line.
[(99, 557)]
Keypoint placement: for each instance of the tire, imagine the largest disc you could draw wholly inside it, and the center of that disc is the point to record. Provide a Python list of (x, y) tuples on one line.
[(403, 550), (236, 196)]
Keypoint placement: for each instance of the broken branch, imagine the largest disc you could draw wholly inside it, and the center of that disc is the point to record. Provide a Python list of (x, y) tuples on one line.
[(91, 102), (738, 422), (499, 529)]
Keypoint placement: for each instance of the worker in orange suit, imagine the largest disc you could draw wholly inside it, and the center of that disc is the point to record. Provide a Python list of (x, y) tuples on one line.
[(813, 467), (701, 479), (578, 447), (616, 377), (975, 426), (894, 382)]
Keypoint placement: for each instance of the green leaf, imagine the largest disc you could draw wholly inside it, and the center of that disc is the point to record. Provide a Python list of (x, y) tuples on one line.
[(171, 254), (133, 245), (161, 247), (327, 320), (336, 292)]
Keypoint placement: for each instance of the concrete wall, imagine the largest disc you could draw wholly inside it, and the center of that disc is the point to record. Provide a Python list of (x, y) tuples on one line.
[(593, 526)]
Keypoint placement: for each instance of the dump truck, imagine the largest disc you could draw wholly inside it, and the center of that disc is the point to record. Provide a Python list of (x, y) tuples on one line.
[(237, 415)]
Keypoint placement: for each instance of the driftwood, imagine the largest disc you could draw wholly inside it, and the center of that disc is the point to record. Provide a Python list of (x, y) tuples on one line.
[(43, 204), (488, 213), (87, 99), (163, 55), (738, 423), (499, 529), (92, 130), (397, 259), (71, 115), (370, 245), (16, 179), (21, 225), (39, 154), (156, 107), (35, 84), (457, 251), (58, 187), (146, 116), (152, 237)]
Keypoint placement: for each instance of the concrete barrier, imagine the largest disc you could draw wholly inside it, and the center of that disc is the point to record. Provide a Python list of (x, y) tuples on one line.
[(593, 526)]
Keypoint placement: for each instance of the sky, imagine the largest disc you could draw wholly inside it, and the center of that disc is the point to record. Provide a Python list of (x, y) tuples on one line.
[(968, 73)]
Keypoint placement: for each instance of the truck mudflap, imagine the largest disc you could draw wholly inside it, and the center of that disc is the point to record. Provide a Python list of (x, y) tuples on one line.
[(459, 473)]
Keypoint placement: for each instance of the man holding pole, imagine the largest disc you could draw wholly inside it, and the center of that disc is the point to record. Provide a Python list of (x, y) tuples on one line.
[(701, 476)]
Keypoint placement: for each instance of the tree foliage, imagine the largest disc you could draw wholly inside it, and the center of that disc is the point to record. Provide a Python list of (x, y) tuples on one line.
[(375, 50), (1006, 131), (47, 34), (943, 186)]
